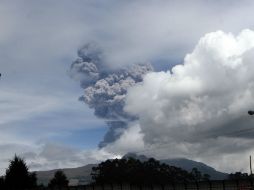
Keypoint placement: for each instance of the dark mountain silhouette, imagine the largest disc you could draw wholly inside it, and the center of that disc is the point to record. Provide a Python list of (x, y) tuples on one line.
[(190, 164), (81, 175), (185, 164)]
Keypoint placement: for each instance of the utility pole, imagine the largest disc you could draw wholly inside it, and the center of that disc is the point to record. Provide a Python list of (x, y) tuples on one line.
[(250, 112), (250, 166)]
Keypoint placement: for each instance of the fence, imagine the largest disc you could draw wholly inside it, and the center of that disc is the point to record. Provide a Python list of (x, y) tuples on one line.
[(204, 185)]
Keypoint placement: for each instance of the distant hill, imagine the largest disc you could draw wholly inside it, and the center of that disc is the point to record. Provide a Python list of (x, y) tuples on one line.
[(185, 164), (189, 164), (81, 175)]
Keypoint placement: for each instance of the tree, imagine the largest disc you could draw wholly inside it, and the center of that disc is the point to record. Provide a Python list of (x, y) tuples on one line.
[(206, 177), (136, 172), (197, 174), (2, 183), (239, 176), (59, 181), (17, 175)]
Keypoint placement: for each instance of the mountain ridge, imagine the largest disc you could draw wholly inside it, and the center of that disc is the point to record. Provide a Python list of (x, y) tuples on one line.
[(81, 175), (185, 164)]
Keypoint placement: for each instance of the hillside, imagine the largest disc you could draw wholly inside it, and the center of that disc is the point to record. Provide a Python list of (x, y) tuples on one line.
[(186, 164), (189, 164), (81, 175)]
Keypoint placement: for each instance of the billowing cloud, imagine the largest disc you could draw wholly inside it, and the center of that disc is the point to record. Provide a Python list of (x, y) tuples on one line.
[(199, 108), (39, 40), (105, 89)]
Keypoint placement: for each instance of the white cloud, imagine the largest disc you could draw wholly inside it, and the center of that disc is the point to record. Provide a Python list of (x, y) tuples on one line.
[(131, 140), (199, 108)]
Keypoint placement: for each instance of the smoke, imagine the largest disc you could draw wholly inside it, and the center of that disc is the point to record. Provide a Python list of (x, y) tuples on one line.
[(199, 108), (105, 89)]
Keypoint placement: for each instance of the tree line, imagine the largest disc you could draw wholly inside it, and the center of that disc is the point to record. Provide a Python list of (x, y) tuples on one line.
[(18, 177), (132, 171)]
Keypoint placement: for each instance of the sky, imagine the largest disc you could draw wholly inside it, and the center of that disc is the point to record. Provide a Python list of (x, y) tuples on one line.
[(83, 81)]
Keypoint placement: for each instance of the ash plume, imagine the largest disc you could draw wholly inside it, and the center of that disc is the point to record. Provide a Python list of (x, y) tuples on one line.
[(105, 89)]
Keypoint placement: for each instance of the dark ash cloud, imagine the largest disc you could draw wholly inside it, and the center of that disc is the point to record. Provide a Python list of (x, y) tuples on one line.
[(105, 89)]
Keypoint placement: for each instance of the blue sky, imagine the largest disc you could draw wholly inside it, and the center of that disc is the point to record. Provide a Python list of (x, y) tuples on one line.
[(39, 41)]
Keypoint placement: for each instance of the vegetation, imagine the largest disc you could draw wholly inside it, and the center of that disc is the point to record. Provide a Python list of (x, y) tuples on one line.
[(2, 185), (239, 176), (136, 172), (198, 175), (128, 170), (17, 176), (59, 181)]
